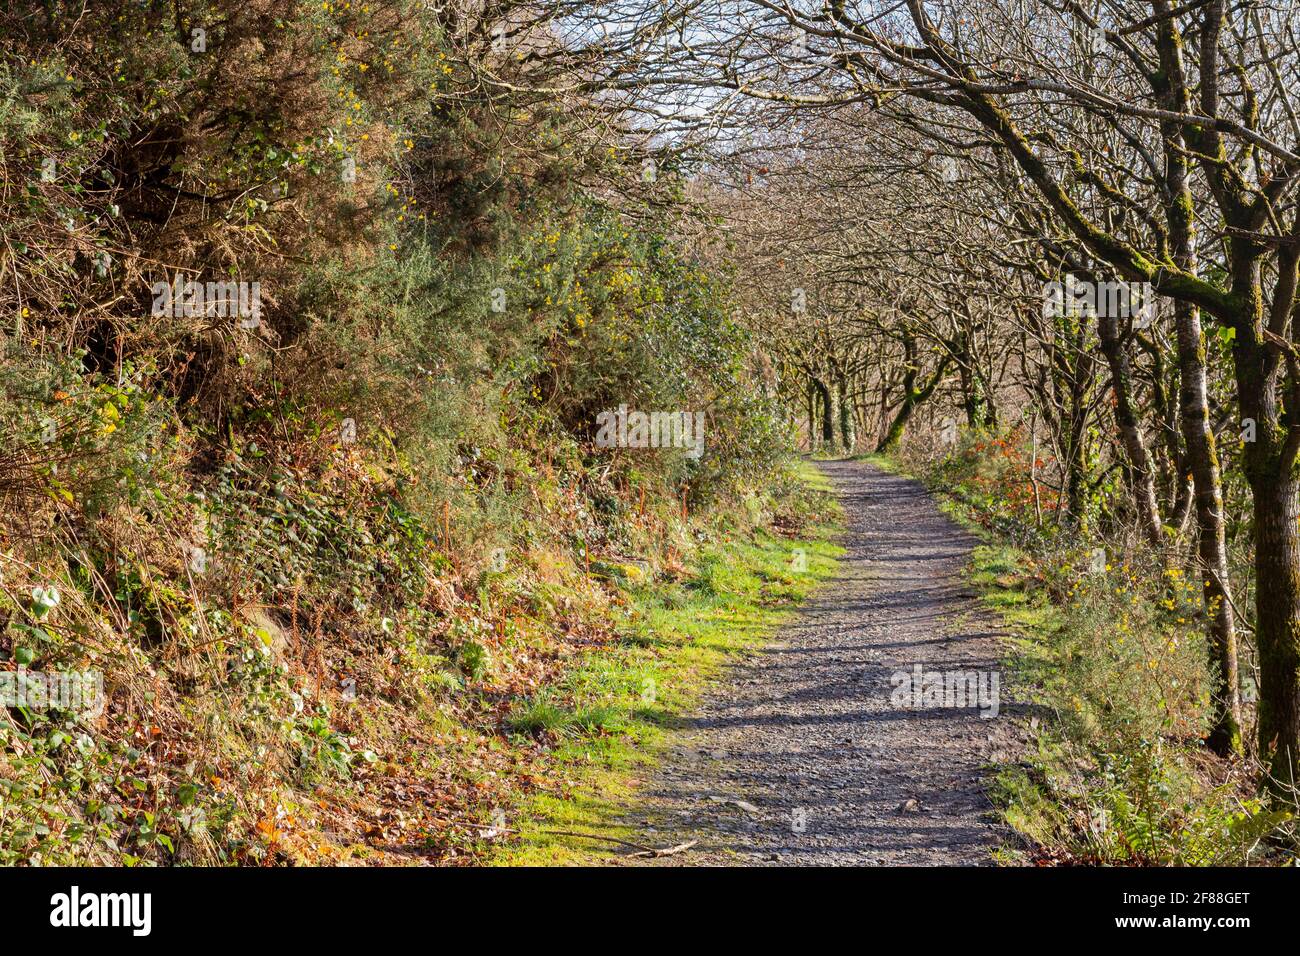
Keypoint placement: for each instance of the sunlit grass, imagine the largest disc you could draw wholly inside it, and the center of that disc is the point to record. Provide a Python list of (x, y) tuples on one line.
[(624, 703)]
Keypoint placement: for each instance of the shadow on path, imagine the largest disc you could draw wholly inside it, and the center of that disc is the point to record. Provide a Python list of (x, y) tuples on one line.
[(828, 771)]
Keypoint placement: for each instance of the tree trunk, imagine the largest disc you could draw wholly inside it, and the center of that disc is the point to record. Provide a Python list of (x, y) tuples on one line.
[(1076, 499), (1203, 459), (828, 414), (1194, 411), (812, 418), (1271, 472), (972, 388), (882, 423), (1277, 624), (1078, 380), (1142, 474), (848, 433), (913, 398)]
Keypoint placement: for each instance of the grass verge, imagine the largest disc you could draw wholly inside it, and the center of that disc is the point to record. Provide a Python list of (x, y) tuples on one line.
[(618, 709)]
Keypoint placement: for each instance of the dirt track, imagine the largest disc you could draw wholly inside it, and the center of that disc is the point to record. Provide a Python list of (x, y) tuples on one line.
[(799, 757)]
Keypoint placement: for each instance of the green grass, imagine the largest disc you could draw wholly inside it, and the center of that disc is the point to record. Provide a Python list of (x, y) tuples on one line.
[(539, 715), (814, 478), (622, 704), (883, 462), (1005, 585)]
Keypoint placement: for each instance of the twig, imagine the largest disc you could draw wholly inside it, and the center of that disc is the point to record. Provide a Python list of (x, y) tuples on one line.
[(669, 851), (641, 848)]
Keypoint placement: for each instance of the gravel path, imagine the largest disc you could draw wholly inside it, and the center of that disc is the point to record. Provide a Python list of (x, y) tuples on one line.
[(799, 757)]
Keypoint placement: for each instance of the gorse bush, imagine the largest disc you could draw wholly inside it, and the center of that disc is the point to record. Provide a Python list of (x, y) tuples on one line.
[(323, 544)]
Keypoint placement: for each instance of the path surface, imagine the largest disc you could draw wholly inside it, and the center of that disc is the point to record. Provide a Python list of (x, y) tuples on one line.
[(799, 757)]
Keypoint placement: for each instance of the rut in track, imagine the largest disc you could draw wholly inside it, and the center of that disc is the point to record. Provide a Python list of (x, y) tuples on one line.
[(798, 755)]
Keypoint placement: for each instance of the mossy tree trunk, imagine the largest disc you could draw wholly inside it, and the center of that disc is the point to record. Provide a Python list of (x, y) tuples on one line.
[(1194, 410), (827, 402), (848, 421), (914, 396)]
